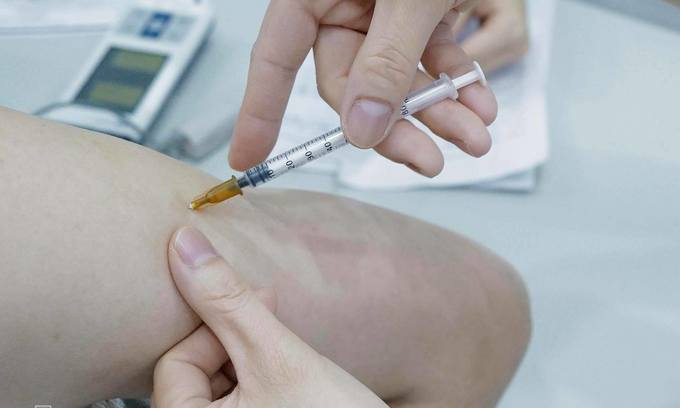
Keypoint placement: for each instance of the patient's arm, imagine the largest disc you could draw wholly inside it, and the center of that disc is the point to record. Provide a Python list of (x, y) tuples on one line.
[(420, 315)]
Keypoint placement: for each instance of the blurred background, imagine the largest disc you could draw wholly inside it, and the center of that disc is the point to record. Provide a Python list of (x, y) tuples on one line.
[(581, 191)]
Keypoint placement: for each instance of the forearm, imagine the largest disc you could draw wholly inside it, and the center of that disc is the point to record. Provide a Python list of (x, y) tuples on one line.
[(90, 304)]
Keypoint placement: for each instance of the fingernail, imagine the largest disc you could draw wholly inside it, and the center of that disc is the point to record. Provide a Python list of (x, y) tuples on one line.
[(193, 247), (367, 122)]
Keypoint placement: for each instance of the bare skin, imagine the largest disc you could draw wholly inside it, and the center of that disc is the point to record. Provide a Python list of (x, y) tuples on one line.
[(502, 37), (418, 314)]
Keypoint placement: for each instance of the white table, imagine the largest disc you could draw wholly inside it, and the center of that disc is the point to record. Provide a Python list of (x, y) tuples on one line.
[(598, 242)]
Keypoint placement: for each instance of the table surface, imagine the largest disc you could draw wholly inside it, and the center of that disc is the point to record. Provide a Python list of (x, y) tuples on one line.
[(597, 242)]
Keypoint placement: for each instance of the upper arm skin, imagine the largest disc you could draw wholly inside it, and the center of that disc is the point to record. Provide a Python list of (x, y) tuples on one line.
[(420, 315)]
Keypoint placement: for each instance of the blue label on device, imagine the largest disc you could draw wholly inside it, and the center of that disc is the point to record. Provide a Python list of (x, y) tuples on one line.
[(156, 24)]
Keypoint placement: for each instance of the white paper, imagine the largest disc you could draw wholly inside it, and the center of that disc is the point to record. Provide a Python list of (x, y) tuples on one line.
[(58, 16)]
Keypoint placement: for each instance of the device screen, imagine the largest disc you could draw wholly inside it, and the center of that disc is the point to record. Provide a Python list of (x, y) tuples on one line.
[(121, 79)]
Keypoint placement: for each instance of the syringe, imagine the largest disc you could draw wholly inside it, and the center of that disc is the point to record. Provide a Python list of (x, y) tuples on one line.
[(296, 157)]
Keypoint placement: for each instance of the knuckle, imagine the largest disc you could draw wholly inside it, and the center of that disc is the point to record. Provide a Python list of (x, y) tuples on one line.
[(227, 299), (517, 38), (390, 66), (259, 56), (443, 34), (164, 364), (161, 365)]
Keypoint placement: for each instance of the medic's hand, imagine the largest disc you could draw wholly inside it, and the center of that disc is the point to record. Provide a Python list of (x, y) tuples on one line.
[(502, 37), (241, 350), (367, 54)]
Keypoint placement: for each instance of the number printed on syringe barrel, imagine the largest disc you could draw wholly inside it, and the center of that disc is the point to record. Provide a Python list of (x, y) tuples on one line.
[(296, 157)]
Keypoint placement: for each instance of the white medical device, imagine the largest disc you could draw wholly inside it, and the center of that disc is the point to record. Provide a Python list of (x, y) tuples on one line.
[(126, 82)]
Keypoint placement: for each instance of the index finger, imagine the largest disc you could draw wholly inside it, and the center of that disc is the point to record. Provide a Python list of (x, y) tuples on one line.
[(287, 34), (182, 376), (185, 375)]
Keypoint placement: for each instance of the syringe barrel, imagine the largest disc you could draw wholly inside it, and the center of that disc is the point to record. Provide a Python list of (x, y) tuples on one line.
[(295, 157), (439, 90)]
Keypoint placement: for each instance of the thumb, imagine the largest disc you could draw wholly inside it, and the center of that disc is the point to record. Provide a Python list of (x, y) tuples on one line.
[(222, 299), (385, 66)]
